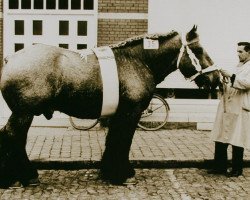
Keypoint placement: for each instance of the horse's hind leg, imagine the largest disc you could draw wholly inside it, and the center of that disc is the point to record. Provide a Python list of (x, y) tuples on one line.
[(14, 163), (115, 165)]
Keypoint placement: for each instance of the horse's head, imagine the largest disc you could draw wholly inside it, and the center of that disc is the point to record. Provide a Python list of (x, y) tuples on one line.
[(195, 64)]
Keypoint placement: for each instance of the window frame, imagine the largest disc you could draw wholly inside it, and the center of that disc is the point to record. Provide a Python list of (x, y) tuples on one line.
[(35, 20), (16, 28), (15, 45), (32, 10), (60, 25), (84, 31)]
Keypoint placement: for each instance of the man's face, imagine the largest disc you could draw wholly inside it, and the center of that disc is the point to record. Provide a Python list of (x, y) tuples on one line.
[(243, 55)]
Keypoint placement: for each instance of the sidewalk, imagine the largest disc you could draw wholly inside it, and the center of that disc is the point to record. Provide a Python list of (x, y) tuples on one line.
[(69, 148)]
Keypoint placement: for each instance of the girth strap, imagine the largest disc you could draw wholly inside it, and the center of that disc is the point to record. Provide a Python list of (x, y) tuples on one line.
[(110, 80)]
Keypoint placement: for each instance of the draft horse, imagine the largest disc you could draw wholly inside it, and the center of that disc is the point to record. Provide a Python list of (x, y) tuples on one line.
[(42, 79)]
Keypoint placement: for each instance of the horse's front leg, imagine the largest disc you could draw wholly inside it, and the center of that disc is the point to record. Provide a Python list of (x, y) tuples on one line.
[(14, 163), (115, 165)]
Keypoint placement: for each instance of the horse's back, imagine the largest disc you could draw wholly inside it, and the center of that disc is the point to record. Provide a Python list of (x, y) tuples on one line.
[(38, 54), (41, 60), (46, 77)]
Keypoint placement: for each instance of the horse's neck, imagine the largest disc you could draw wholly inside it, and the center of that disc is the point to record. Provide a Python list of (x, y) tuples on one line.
[(161, 64)]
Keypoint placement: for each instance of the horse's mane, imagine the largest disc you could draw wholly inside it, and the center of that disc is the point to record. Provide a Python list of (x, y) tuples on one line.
[(137, 39)]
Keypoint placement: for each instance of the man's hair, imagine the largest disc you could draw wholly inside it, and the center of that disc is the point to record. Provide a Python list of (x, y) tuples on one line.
[(246, 45)]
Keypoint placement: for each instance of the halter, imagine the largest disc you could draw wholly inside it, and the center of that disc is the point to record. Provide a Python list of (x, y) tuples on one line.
[(194, 60)]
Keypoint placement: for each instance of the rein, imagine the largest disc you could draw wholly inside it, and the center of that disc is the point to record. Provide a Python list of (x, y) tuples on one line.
[(193, 58)]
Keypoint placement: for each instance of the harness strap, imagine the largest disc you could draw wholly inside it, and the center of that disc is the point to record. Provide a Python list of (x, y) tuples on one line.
[(208, 69), (195, 61), (110, 80)]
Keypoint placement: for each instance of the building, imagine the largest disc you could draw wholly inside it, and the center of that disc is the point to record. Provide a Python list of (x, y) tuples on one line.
[(71, 24)]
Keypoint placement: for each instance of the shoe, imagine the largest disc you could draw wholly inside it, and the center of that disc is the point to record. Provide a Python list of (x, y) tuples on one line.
[(217, 171), (234, 173)]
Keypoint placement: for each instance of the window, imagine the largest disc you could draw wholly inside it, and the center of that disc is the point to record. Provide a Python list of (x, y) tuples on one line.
[(18, 46), (63, 4), (38, 4), (75, 4), (37, 27), (88, 4), (81, 46), (50, 4), (19, 27), (65, 46), (26, 4), (13, 4), (63, 27), (82, 28)]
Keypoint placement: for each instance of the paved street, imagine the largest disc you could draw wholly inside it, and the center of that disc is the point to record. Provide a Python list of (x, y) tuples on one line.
[(174, 184), (169, 165), (167, 148)]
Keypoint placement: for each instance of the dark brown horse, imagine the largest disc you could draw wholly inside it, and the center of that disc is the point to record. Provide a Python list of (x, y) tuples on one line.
[(43, 79)]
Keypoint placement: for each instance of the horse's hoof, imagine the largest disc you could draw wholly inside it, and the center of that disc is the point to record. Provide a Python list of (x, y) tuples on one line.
[(31, 182), (16, 185), (34, 182), (131, 172), (110, 178), (130, 181)]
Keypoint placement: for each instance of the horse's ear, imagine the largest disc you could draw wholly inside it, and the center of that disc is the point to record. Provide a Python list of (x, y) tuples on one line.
[(192, 34), (194, 29)]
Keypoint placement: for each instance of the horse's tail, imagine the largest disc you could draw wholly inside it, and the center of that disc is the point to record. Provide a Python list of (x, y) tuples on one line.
[(6, 59)]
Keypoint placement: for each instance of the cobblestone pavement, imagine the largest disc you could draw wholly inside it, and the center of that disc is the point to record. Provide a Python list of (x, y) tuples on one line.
[(163, 146), (174, 184)]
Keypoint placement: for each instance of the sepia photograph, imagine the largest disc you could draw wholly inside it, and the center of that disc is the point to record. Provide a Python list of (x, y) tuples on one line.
[(124, 99)]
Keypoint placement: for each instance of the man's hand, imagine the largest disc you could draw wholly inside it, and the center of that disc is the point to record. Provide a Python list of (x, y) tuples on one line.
[(226, 73)]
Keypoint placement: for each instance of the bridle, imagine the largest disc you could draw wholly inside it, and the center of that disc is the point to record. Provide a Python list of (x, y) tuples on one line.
[(194, 60)]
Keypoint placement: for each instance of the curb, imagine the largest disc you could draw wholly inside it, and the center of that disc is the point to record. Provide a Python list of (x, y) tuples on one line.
[(74, 165), (167, 164)]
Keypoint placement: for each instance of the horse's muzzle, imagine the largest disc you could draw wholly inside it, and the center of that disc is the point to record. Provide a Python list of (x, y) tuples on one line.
[(209, 81)]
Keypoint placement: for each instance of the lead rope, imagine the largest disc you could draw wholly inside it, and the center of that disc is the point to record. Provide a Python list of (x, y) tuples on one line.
[(224, 82)]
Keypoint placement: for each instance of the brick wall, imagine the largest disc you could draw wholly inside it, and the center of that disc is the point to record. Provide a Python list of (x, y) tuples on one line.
[(114, 30), (111, 31), (1, 33), (123, 6)]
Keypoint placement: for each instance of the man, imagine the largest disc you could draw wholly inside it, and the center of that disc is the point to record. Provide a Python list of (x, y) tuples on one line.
[(232, 123)]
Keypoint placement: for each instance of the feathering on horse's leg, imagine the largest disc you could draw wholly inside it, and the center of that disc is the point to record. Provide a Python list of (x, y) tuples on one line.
[(6, 177), (14, 163), (115, 165)]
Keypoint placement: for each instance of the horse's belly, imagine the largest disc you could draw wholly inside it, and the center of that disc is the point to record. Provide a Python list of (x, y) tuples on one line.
[(82, 103)]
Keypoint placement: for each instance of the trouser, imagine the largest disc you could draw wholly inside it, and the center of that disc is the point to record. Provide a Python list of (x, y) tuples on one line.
[(220, 157)]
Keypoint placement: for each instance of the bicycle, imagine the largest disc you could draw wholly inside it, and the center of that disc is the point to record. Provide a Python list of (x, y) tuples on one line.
[(153, 118), (156, 114), (83, 124)]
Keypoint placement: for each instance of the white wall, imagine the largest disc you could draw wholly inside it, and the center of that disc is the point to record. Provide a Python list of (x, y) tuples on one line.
[(221, 25)]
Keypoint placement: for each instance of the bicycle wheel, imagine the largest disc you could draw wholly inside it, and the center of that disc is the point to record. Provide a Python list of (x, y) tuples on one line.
[(156, 114), (82, 124)]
